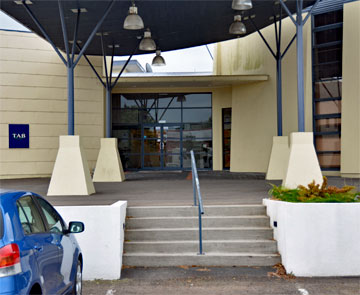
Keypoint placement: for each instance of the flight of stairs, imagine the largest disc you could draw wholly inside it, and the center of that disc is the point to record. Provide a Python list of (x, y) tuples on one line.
[(233, 235)]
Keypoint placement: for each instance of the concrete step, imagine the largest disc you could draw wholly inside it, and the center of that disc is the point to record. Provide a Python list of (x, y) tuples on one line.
[(207, 221), (218, 233), (228, 246), (187, 211), (148, 259)]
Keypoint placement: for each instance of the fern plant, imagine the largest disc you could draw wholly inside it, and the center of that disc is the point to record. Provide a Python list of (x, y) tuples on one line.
[(315, 193)]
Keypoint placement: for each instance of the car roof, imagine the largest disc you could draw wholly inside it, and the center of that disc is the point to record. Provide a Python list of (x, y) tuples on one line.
[(5, 193)]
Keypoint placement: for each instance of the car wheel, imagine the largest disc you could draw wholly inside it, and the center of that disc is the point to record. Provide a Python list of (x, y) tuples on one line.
[(77, 289)]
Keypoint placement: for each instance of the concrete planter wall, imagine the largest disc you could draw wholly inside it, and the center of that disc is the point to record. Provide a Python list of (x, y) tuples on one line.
[(317, 239), (103, 239)]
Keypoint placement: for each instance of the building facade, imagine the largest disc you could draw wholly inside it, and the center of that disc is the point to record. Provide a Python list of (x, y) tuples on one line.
[(228, 118)]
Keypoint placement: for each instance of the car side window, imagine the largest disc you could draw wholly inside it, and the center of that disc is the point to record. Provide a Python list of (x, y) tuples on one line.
[(52, 217), (29, 215)]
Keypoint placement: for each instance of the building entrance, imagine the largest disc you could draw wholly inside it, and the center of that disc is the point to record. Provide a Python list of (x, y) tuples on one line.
[(157, 131), (162, 146)]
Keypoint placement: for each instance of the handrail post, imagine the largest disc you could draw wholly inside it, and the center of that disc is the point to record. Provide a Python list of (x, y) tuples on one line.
[(196, 189), (193, 183)]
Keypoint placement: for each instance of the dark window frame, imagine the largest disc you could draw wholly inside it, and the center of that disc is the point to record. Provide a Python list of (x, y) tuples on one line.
[(317, 65)]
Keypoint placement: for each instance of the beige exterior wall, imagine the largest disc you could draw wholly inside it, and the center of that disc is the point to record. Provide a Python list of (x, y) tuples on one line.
[(350, 120), (33, 90), (254, 120)]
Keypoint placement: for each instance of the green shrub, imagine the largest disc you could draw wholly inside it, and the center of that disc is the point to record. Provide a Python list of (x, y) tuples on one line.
[(314, 193)]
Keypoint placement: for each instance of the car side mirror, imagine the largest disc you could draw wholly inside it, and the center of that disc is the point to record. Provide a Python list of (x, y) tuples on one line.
[(76, 227)]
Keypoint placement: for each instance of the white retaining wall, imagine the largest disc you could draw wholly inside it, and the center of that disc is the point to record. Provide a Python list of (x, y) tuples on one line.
[(103, 239), (317, 239)]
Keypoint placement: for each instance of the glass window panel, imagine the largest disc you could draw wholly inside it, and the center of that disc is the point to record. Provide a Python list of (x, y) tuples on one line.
[(30, 218), (131, 161), (328, 71), (328, 142), (328, 36), (328, 125), (162, 116), (197, 116), (202, 160), (52, 218), (129, 101), (328, 89), (328, 54), (189, 135), (129, 146), (328, 107), (197, 146), (152, 132), (152, 145), (125, 116), (172, 146), (172, 132), (329, 160), (227, 159), (165, 99), (197, 100), (172, 161), (332, 17), (152, 161)]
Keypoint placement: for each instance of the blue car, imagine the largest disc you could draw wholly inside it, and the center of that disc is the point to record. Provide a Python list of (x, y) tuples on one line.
[(38, 252)]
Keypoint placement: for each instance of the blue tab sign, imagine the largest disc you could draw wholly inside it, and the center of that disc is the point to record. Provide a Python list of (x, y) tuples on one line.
[(18, 136)]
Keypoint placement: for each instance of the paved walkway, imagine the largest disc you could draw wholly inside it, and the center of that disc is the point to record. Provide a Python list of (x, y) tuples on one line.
[(218, 281), (167, 188)]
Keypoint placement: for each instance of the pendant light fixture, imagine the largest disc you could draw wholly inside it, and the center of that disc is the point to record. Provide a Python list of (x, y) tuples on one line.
[(133, 21), (147, 43), (241, 4), (237, 27), (158, 60)]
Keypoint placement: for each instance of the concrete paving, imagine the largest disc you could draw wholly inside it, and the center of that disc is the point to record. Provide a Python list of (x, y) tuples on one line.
[(168, 188), (218, 281)]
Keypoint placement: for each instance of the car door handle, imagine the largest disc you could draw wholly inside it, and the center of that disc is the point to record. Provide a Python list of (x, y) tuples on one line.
[(38, 248)]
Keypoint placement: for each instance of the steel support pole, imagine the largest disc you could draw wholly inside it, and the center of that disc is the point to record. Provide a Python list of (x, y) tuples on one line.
[(300, 72), (279, 95), (108, 111), (70, 78)]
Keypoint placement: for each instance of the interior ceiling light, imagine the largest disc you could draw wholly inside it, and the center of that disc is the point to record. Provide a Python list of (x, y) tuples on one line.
[(237, 27), (133, 21), (181, 98), (158, 59), (147, 43), (241, 4), (76, 10), (20, 2)]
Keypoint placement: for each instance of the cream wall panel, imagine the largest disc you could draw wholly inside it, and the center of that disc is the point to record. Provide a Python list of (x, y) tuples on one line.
[(37, 80), (37, 93), (221, 98), (33, 105), (23, 41), (32, 169), (350, 119), (33, 90)]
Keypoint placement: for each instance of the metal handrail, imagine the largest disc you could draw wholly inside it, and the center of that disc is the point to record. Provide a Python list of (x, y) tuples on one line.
[(196, 190)]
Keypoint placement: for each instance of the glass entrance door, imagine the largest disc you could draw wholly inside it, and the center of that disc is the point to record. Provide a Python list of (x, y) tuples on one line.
[(162, 146)]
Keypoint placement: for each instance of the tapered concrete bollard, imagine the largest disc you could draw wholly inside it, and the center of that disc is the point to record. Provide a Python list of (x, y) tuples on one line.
[(303, 166), (71, 174), (279, 158), (108, 165)]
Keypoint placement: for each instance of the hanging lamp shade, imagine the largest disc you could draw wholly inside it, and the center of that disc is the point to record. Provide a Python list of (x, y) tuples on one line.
[(147, 43), (158, 60), (133, 21), (237, 27), (241, 4)]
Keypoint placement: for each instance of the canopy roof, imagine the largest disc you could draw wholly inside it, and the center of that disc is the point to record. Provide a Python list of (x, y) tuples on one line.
[(175, 24)]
